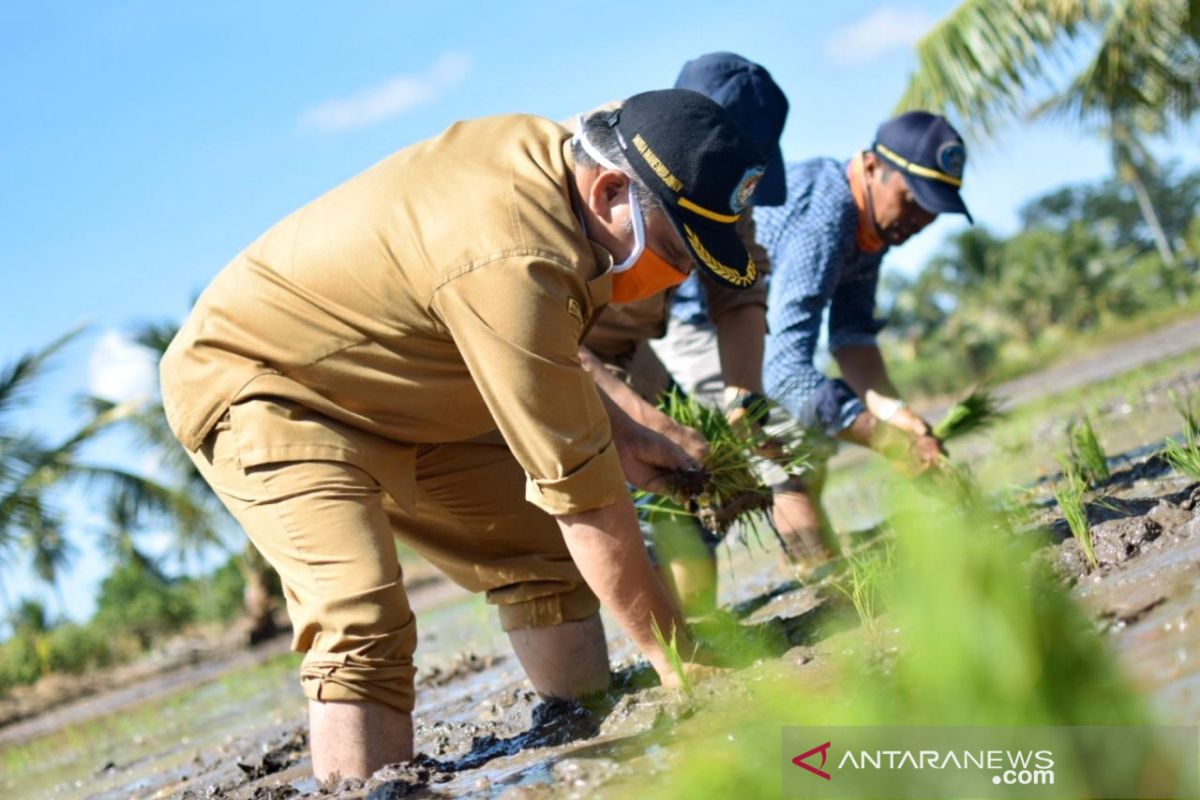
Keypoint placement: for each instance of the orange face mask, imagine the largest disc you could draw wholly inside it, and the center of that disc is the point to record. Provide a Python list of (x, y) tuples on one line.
[(644, 273), (868, 239)]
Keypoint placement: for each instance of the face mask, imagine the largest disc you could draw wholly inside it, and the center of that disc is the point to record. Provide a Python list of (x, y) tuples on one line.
[(867, 234), (644, 273)]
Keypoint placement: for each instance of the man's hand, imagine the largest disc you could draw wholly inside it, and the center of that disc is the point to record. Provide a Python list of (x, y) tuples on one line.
[(690, 440), (928, 451), (631, 415), (695, 673), (911, 454), (747, 413), (648, 457), (606, 544)]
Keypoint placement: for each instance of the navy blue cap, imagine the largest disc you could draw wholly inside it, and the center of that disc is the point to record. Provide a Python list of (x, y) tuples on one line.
[(701, 166), (931, 154), (755, 101)]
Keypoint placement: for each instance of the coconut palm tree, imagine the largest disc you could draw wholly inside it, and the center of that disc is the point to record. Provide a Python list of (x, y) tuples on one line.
[(201, 521), (992, 61), (32, 469)]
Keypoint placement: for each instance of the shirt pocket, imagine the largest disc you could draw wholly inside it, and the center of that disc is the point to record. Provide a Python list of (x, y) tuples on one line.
[(599, 293), (272, 430)]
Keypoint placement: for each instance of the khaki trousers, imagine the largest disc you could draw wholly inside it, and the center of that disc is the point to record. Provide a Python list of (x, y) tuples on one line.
[(325, 503)]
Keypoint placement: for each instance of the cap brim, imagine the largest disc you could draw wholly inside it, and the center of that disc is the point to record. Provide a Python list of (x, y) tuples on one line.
[(716, 249), (772, 187), (937, 197)]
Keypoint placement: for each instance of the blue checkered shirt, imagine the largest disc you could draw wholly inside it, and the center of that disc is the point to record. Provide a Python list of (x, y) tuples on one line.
[(816, 265)]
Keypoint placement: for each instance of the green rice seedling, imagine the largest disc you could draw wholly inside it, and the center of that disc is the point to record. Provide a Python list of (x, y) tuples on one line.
[(1184, 456), (987, 637), (1069, 493), (671, 648), (1187, 410), (976, 411), (733, 490), (862, 586), (1086, 453)]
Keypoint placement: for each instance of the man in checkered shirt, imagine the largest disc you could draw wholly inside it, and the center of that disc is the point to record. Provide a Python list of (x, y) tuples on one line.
[(826, 243)]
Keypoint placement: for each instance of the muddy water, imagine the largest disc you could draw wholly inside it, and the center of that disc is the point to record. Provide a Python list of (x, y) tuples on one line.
[(482, 732), (1147, 595)]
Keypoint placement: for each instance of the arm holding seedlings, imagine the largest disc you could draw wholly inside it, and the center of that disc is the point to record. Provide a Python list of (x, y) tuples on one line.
[(852, 342), (863, 368), (577, 458), (810, 278), (606, 545), (633, 418)]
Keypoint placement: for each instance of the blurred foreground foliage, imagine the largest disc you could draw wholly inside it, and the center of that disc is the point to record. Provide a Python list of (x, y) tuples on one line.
[(976, 631)]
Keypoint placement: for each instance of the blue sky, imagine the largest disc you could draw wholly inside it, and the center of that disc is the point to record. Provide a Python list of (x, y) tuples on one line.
[(144, 143)]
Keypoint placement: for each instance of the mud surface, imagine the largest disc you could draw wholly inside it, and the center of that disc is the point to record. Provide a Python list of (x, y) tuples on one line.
[(482, 732)]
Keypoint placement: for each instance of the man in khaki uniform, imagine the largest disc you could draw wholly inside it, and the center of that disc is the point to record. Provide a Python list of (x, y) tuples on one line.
[(618, 348), (400, 357)]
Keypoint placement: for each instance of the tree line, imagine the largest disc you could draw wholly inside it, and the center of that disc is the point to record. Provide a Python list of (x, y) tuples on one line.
[(989, 307)]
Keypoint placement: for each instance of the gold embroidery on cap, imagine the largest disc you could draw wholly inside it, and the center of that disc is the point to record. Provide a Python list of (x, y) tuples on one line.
[(574, 310), (728, 273), (656, 164)]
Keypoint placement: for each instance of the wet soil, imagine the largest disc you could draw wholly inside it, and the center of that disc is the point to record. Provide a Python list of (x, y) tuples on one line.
[(482, 732)]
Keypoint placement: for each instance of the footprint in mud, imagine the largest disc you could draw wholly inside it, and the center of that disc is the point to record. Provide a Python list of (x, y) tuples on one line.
[(277, 758), (554, 722)]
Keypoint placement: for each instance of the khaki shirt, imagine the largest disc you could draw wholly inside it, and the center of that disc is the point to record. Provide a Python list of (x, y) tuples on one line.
[(439, 296), (620, 327)]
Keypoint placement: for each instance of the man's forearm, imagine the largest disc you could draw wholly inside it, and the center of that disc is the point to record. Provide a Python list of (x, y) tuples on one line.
[(615, 392), (863, 368), (606, 545), (625, 407), (741, 336)]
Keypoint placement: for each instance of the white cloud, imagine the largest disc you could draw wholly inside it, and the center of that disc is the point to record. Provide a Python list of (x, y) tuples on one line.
[(120, 369), (391, 98), (883, 31)]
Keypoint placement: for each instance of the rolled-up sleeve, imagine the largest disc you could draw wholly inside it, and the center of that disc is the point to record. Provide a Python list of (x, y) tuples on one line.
[(516, 322), (808, 265)]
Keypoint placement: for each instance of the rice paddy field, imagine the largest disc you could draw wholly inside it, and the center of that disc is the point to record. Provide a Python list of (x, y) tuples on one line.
[(974, 602)]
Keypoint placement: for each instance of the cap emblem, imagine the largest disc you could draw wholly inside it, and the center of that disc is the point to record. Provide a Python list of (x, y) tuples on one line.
[(745, 189), (951, 158)]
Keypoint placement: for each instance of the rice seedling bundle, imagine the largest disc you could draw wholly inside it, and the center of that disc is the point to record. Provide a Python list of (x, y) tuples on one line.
[(731, 489), (976, 411)]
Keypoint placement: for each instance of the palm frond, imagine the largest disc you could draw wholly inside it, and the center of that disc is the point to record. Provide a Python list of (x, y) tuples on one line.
[(1145, 70), (15, 378), (50, 551), (155, 336), (979, 62)]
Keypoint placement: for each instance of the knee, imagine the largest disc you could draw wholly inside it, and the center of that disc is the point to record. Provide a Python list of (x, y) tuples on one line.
[(534, 605)]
